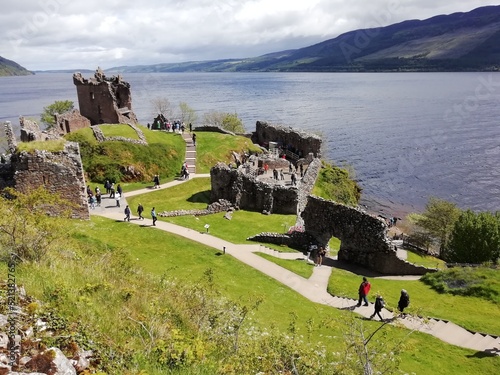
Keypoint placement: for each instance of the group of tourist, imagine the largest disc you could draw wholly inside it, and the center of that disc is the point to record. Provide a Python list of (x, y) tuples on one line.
[(95, 198), (162, 123), (364, 289)]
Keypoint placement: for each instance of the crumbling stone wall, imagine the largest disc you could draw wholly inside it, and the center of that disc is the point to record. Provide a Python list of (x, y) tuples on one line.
[(246, 192), (30, 131), (287, 137), (363, 237), (71, 121), (104, 100), (59, 172)]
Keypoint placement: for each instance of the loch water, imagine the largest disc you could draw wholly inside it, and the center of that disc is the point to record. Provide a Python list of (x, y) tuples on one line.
[(404, 136)]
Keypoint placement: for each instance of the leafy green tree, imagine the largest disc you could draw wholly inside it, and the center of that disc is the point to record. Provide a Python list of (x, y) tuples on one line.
[(233, 123), (475, 238), (59, 106), (25, 228), (438, 220), (227, 121), (187, 114)]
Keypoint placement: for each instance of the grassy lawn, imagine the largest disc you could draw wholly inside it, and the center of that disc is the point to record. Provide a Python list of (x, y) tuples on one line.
[(244, 224), (469, 312), (190, 195), (425, 260), (300, 267), (166, 254), (212, 148), (163, 254), (118, 130)]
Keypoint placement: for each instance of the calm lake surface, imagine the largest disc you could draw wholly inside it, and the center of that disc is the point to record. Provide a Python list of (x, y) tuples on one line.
[(406, 136)]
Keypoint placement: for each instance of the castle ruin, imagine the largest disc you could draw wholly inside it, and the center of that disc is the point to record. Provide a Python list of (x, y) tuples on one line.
[(59, 172), (363, 237), (104, 100)]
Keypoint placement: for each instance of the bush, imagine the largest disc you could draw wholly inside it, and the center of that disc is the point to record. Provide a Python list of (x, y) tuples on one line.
[(478, 282)]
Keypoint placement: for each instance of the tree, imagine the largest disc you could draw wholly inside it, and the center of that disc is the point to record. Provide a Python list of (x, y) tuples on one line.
[(188, 114), (438, 219), (475, 238), (25, 228), (59, 106), (233, 123), (227, 121), (162, 106)]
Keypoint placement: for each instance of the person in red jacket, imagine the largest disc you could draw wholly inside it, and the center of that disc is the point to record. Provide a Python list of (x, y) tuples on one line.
[(363, 291)]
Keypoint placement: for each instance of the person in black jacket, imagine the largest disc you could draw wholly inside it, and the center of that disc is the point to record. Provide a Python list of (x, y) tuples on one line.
[(404, 300), (379, 305)]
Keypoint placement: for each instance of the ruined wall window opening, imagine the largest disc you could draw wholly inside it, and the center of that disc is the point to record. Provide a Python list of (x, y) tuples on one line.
[(92, 96)]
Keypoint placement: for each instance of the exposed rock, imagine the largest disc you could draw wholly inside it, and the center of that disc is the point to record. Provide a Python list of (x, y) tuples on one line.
[(63, 364)]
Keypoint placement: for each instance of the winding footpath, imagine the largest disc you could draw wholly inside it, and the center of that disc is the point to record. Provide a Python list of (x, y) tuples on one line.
[(314, 288)]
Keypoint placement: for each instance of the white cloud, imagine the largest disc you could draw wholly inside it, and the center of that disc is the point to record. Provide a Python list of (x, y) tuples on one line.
[(57, 34)]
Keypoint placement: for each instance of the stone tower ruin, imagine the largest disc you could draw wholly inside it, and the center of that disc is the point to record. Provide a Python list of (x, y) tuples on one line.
[(104, 100)]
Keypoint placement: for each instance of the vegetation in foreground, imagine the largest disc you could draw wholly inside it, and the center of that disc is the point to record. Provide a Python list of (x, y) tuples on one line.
[(148, 302)]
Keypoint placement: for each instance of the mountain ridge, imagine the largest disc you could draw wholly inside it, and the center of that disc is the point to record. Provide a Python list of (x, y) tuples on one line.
[(461, 41)]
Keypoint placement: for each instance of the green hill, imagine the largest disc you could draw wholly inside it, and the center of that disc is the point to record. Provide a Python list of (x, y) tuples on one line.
[(11, 68)]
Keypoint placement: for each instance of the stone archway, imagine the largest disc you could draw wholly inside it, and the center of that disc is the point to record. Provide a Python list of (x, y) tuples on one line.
[(363, 237)]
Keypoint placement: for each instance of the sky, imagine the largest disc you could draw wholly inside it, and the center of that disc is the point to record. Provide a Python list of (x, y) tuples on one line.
[(75, 34)]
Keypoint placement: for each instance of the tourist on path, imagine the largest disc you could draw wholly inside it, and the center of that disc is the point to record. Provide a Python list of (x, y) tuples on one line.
[(153, 216), (194, 139), (404, 300), (321, 255), (117, 198), (156, 180), (119, 190), (379, 305), (140, 210), (363, 291), (127, 214), (107, 186)]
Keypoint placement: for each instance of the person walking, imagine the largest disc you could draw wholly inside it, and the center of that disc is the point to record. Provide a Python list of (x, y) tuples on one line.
[(117, 198), (379, 305), (153, 216), (127, 214), (321, 255), (140, 210), (156, 180), (194, 139), (364, 289), (404, 300)]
